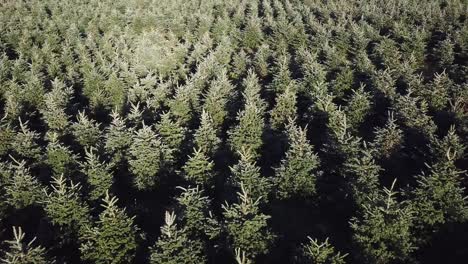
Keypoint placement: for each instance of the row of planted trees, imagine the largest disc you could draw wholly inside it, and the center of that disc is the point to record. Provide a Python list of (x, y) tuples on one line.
[(270, 131)]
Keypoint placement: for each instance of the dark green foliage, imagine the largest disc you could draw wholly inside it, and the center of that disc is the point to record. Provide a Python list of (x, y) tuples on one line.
[(297, 174), (112, 239), (246, 226), (86, 131), (205, 136), (98, 174), (320, 253), (199, 169), (20, 252)]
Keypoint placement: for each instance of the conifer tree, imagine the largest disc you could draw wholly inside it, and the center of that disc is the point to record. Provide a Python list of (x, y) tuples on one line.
[(413, 112), (183, 104), (388, 139), (22, 252), (382, 232), (146, 158), (319, 253), (175, 246), (358, 107), (282, 77), (118, 138), (172, 133), (55, 105), (247, 172), (284, 109), (98, 174), (247, 227), (25, 143), (59, 157), (86, 131), (112, 239), (65, 208), (194, 210), (21, 188), (218, 98), (199, 169), (297, 173), (205, 137)]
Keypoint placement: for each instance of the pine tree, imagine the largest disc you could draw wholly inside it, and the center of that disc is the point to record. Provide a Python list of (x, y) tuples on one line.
[(319, 253), (172, 133), (183, 104), (25, 143), (112, 239), (205, 137), (98, 174), (59, 157), (20, 252), (194, 210), (65, 208), (282, 76), (247, 172), (284, 109), (118, 138), (358, 107), (199, 169), (175, 246), (21, 188), (388, 139), (86, 131), (382, 232), (297, 173), (247, 227), (55, 105), (146, 158), (218, 98)]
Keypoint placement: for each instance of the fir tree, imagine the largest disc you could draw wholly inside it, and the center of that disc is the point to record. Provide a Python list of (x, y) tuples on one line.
[(297, 173), (205, 137), (65, 208), (98, 174), (284, 109), (246, 171), (118, 138), (172, 133), (112, 239), (217, 100), (358, 107), (25, 143), (59, 157), (319, 253), (20, 252), (86, 131), (382, 232), (55, 105), (247, 227), (199, 169), (388, 139), (175, 246), (146, 158)]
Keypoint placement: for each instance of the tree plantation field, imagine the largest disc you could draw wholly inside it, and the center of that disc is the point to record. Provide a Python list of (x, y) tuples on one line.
[(233, 131)]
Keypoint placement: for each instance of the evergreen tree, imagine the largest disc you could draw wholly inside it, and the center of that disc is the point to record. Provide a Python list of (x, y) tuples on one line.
[(205, 137), (218, 98), (86, 131), (25, 143), (247, 227), (172, 133), (320, 253), (297, 173), (112, 239), (59, 157), (199, 169), (175, 246), (65, 208), (118, 138), (382, 232), (246, 171), (284, 109), (98, 174), (55, 105), (20, 252), (388, 139), (358, 107), (146, 158), (21, 188)]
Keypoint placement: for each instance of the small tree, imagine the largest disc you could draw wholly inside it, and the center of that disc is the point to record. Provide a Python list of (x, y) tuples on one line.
[(284, 109), (146, 157), (382, 232), (172, 133), (319, 253), (199, 169), (59, 157), (175, 246), (247, 228), (65, 208), (388, 139), (297, 173), (205, 137), (25, 143), (118, 138), (20, 252), (98, 174), (86, 131), (113, 238)]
